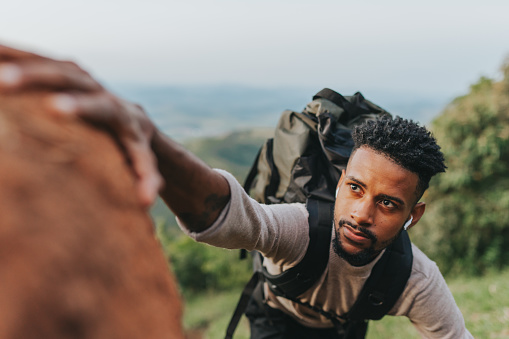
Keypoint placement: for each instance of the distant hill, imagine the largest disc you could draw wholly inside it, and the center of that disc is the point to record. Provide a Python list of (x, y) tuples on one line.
[(226, 125), (234, 152), (189, 112)]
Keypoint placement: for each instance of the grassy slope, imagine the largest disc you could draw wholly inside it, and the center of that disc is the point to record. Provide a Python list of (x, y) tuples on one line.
[(483, 301), (234, 152)]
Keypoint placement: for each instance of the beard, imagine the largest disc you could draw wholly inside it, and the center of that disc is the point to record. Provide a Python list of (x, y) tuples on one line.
[(357, 259), (366, 255)]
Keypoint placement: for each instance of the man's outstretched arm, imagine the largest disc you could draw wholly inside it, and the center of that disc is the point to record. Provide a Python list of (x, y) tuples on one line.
[(193, 191)]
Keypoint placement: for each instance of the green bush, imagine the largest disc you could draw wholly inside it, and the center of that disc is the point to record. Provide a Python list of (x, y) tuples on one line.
[(466, 225), (199, 267)]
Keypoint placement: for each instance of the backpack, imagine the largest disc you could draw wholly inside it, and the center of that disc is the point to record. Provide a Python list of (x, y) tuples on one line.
[(309, 149), (303, 163)]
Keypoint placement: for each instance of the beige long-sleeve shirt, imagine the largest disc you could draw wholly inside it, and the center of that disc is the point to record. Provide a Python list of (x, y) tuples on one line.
[(280, 233)]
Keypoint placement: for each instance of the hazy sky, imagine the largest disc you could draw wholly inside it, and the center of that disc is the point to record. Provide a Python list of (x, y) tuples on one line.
[(426, 46)]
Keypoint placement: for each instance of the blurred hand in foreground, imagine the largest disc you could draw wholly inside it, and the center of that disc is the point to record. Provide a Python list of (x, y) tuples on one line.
[(69, 91)]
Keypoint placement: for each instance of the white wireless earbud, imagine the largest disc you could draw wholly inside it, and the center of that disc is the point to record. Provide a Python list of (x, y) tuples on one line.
[(337, 189), (405, 227)]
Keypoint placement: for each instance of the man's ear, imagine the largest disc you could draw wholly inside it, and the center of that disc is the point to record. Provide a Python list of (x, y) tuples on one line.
[(417, 213), (341, 178)]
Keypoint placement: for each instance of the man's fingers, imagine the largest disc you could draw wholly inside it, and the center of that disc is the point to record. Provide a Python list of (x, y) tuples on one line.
[(20, 70), (95, 107), (10, 75), (45, 74), (144, 164), (125, 118), (105, 109), (9, 53), (67, 90)]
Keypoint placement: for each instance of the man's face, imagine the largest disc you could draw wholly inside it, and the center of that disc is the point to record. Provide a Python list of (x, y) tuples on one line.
[(375, 198)]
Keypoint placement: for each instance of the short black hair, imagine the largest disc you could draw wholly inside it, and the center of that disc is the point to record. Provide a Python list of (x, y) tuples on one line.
[(406, 143)]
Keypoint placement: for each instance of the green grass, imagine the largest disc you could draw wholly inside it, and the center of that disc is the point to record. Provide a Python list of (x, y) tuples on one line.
[(484, 302), (211, 313)]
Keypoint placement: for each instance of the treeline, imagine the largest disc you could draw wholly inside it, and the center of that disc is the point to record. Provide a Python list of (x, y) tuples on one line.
[(466, 225)]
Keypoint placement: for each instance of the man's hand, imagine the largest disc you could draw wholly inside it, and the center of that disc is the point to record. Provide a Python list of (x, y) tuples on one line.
[(69, 92), (194, 192)]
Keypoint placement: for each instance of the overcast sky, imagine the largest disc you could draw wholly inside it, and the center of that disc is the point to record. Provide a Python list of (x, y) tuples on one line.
[(428, 46)]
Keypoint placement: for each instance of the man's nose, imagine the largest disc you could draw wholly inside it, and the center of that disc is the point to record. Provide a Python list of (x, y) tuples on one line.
[(362, 212)]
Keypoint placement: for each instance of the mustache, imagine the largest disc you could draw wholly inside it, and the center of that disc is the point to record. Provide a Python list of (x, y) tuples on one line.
[(361, 229)]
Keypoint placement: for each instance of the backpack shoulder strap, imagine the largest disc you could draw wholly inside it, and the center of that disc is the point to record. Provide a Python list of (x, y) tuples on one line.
[(247, 292), (302, 276), (386, 282)]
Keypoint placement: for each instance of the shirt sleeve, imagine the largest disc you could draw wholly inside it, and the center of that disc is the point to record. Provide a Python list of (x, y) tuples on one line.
[(429, 304), (279, 232)]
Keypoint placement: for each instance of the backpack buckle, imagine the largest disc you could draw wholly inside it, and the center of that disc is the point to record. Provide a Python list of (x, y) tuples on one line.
[(376, 298)]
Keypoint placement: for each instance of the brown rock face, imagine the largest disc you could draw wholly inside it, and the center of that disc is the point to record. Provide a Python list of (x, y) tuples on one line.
[(78, 255)]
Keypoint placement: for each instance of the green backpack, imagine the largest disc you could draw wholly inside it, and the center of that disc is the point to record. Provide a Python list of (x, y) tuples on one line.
[(309, 149), (303, 163)]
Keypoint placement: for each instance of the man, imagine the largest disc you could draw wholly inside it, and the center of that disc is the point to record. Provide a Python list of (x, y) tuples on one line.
[(390, 168)]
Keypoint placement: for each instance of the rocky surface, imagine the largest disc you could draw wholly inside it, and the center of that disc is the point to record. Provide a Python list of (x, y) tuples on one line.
[(78, 255)]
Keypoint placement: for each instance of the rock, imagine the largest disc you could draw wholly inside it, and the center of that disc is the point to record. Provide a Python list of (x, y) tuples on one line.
[(78, 254)]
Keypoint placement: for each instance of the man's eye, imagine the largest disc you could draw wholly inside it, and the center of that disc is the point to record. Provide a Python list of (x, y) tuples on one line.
[(388, 203), (354, 187)]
